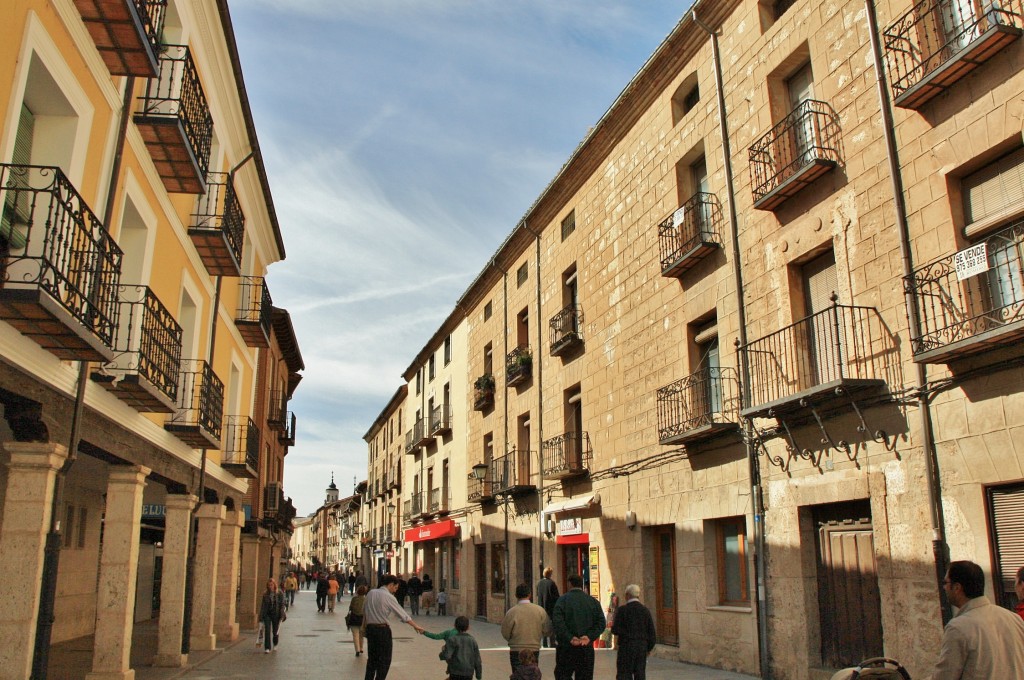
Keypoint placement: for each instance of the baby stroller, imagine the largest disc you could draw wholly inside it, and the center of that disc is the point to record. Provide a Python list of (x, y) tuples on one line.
[(876, 668)]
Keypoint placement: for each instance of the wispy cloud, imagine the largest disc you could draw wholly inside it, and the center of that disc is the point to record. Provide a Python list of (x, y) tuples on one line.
[(404, 140)]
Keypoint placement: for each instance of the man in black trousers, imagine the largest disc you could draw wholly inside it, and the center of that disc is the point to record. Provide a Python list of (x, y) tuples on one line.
[(634, 627), (578, 621)]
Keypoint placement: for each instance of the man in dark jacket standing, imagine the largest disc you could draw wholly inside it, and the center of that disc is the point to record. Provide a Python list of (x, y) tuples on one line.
[(547, 596), (634, 627), (322, 586), (578, 621), (414, 588)]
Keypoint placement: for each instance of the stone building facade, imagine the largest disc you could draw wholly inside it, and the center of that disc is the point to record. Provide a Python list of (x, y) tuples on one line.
[(141, 360), (755, 345)]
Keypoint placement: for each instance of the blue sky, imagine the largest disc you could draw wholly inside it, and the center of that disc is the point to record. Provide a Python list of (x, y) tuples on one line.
[(404, 139)]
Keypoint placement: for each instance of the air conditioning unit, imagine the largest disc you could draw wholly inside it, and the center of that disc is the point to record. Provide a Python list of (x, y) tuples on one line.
[(273, 500)]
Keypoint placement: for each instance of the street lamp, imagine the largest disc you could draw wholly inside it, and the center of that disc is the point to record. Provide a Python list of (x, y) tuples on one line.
[(480, 471)]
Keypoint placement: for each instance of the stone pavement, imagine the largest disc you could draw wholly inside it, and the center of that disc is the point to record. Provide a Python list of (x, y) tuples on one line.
[(317, 645)]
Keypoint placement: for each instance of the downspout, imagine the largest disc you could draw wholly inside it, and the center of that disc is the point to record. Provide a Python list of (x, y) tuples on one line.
[(940, 551), (186, 624), (504, 398), (52, 546), (756, 491)]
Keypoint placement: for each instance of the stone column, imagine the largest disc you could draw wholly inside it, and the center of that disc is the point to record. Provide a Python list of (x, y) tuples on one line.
[(172, 584), (250, 590), (204, 575), (32, 471), (119, 563), (225, 621)]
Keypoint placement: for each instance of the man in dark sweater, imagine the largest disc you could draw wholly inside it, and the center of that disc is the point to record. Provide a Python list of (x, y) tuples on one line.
[(634, 627), (578, 621), (547, 596)]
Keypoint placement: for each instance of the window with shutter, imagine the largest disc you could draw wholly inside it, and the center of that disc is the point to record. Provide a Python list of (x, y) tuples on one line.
[(1006, 525), (17, 203), (994, 189)]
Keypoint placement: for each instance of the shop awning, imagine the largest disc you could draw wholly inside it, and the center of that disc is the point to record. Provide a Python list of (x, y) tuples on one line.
[(573, 539), (573, 504), (433, 531)]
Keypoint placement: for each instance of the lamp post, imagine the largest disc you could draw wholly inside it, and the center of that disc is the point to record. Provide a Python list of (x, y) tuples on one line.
[(480, 471)]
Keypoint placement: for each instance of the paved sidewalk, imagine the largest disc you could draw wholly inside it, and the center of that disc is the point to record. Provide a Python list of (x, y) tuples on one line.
[(315, 645)]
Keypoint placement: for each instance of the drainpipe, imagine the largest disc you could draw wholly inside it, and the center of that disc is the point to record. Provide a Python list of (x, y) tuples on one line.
[(508, 548), (940, 551), (756, 493), (51, 550)]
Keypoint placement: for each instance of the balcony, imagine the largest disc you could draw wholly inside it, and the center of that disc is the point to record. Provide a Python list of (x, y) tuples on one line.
[(510, 474), (200, 407), (419, 505), (144, 371), (479, 490), (567, 455), (421, 433), (483, 392), (126, 32), (217, 230), (407, 513), (518, 366), (440, 502), (59, 267), (241, 452), (961, 318), (699, 407), (253, 317), (565, 335), (287, 435), (690, 234), (440, 420), (801, 147), (938, 42), (175, 122), (822, 360)]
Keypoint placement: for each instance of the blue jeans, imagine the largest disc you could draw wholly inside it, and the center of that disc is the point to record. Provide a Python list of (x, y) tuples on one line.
[(270, 628)]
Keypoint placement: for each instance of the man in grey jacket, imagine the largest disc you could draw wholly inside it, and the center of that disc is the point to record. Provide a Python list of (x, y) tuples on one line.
[(524, 625)]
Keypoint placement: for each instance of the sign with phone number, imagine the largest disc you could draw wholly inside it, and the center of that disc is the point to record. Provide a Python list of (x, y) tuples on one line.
[(971, 261)]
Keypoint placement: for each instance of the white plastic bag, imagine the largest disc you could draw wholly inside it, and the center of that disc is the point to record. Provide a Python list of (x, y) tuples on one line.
[(259, 637)]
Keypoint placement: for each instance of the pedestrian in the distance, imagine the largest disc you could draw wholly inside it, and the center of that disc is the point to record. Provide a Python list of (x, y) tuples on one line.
[(354, 618), (291, 584), (442, 603), (462, 653), (415, 589), (634, 626), (362, 580), (271, 615), (402, 592), (332, 591), (351, 582), (428, 593), (322, 587), (547, 596), (379, 606), (578, 621)]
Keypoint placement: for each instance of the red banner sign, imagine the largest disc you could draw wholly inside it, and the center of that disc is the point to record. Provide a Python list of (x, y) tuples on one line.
[(432, 532)]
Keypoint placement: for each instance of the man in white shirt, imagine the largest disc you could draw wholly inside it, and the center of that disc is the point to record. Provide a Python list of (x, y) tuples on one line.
[(379, 605)]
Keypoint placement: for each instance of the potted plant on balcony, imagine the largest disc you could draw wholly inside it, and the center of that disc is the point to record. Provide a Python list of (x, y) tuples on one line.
[(484, 383)]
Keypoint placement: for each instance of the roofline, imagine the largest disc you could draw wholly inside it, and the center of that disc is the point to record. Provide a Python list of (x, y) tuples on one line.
[(399, 394), (250, 125)]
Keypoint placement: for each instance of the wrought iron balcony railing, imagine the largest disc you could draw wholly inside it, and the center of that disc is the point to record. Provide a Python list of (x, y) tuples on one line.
[(441, 420), (421, 429), (690, 234), (700, 406), (144, 371), (566, 455), (200, 409), (962, 317), (518, 365), (241, 448), (277, 408), (253, 316), (407, 512), (511, 473), (59, 267), (483, 392), (287, 435), (217, 229), (938, 42), (566, 332), (176, 124), (419, 504), (796, 151), (843, 347), (478, 490), (126, 33)]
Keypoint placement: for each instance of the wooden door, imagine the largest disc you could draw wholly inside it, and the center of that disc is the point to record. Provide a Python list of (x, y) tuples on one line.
[(849, 605), (666, 608), (481, 580)]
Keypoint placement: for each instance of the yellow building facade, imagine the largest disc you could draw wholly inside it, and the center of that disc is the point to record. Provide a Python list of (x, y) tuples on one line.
[(136, 232)]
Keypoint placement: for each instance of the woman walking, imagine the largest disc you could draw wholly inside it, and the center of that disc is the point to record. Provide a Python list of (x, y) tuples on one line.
[(354, 619), (271, 614)]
